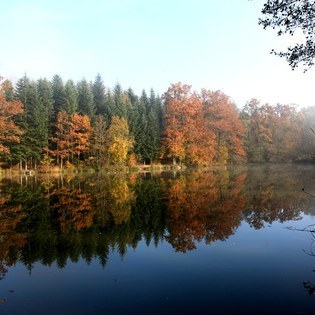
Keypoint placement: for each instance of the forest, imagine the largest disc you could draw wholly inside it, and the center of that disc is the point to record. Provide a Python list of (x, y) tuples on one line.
[(45, 124)]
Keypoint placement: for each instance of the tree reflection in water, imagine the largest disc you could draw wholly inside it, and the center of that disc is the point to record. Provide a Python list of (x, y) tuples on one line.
[(57, 219)]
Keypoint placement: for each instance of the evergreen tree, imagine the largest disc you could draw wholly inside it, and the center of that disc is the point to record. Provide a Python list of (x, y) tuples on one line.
[(109, 106), (138, 125), (59, 94), (120, 109), (21, 89), (99, 96), (45, 91), (36, 136), (37, 101), (153, 128), (71, 98), (21, 151), (85, 99)]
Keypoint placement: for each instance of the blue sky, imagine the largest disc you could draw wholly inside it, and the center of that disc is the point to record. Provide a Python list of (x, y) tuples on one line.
[(151, 43)]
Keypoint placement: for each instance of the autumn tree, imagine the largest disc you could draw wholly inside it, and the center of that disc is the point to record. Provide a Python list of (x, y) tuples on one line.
[(119, 141), (186, 136), (258, 135), (71, 137), (273, 133), (222, 118), (80, 132), (9, 131), (202, 128)]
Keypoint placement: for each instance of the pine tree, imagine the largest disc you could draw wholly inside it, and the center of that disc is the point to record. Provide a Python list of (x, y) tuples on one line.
[(71, 98), (36, 135), (85, 99), (45, 91), (59, 95), (21, 89), (120, 108), (138, 125), (21, 151), (99, 96), (153, 144)]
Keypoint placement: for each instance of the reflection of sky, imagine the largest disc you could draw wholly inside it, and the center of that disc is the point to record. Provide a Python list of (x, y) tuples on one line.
[(253, 272)]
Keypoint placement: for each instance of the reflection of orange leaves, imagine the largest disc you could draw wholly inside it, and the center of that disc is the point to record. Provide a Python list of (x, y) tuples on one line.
[(10, 216), (74, 208), (200, 208)]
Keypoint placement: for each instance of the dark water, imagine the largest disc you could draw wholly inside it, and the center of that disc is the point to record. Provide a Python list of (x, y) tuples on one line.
[(216, 242)]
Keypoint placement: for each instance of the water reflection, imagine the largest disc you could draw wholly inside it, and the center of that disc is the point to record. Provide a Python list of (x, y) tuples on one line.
[(57, 219)]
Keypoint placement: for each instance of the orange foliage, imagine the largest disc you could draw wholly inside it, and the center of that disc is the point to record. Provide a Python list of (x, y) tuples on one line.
[(197, 127), (187, 137), (9, 131), (72, 135)]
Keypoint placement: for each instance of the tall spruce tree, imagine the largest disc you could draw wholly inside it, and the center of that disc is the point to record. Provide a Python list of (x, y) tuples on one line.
[(120, 108), (59, 95), (34, 122), (153, 145), (99, 100), (37, 123), (138, 124), (71, 98), (85, 99), (45, 91)]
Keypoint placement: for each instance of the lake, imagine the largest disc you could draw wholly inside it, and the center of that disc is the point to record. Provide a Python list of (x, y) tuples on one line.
[(222, 241)]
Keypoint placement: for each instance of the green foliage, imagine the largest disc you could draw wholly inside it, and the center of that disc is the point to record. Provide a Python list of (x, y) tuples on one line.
[(99, 98), (59, 94), (85, 99), (71, 98)]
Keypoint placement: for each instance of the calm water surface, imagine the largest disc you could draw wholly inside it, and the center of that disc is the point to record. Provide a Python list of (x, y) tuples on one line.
[(224, 241)]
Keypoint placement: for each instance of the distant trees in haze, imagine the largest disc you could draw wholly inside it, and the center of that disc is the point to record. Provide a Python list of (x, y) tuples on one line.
[(85, 123)]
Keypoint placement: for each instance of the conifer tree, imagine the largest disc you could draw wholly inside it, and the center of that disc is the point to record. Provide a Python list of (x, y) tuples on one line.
[(99, 100), (59, 94), (71, 98), (119, 109), (45, 91), (85, 99)]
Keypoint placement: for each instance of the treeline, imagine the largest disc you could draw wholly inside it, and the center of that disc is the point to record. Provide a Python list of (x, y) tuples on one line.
[(85, 123)]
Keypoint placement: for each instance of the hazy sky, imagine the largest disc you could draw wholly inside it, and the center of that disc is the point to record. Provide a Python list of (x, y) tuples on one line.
[(212, 44)]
